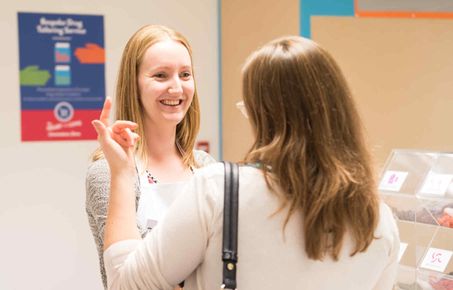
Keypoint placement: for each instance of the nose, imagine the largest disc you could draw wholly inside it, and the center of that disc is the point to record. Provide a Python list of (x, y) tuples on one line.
[(175, 86)]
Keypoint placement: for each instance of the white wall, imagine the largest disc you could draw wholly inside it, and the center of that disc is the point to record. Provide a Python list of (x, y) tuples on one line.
[(45, 242)]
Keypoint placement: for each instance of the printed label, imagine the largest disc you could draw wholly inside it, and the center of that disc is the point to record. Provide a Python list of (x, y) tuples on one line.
[(436, 184), (393, 180), (436, 259)]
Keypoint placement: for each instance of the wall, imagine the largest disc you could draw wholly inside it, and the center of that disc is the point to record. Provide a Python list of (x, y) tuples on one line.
[(45, 240), (245, 26), (400, 73)]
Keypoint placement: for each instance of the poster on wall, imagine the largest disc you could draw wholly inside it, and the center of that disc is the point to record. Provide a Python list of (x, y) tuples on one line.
[(62, 75)]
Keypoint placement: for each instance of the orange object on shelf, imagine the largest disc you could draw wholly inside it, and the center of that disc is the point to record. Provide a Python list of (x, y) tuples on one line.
[(446, 219)]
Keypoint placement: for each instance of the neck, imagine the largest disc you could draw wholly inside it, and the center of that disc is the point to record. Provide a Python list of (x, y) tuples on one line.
[(164, 159), (161, 142)]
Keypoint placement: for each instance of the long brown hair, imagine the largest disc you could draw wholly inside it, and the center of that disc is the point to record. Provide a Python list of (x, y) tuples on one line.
[(128, 105), (309, 134)]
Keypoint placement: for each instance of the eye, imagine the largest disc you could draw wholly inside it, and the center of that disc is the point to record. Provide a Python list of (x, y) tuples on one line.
[(160, 75), (185, 75)]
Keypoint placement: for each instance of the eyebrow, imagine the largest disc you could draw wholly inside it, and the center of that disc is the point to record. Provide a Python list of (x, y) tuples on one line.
[(166, 67)]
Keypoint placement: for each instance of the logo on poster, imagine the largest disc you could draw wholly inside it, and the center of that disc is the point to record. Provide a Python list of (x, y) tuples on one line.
[(63, 112)]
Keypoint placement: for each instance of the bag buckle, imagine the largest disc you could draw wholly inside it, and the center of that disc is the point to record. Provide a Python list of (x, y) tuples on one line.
[(224, 287)]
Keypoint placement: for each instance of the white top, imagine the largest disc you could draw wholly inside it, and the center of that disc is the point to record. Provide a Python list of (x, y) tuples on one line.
[(155, 199), (186, 244)]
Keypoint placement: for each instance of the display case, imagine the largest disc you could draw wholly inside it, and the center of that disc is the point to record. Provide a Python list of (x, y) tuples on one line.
[(418, 186)]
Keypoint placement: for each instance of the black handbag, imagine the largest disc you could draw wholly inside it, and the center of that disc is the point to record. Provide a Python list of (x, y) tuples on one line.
[(230, 225)]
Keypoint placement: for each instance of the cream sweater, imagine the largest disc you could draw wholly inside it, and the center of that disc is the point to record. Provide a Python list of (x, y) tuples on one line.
[(186, 244)]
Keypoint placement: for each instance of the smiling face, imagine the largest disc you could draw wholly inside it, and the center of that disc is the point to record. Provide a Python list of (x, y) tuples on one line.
[(165, 83)]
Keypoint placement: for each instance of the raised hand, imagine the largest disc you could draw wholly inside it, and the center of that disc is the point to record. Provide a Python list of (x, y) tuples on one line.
[(117, 140)]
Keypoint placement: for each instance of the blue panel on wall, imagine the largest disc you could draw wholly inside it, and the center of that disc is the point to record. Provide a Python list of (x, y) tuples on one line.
[(310, 8)]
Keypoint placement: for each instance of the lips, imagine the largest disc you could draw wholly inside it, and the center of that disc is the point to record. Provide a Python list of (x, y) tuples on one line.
[(171, 102)]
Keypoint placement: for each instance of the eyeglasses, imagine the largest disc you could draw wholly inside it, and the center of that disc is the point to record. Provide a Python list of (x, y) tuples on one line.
[(240, 105)]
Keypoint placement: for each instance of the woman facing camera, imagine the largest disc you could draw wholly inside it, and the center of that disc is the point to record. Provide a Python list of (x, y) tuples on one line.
[(156, 93)]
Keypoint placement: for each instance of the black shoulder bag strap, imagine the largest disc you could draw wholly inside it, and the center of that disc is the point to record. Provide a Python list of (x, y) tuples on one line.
[(230, 225)]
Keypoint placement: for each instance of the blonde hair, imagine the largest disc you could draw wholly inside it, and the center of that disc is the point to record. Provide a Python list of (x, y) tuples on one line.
[(128, 104), (308, 133)]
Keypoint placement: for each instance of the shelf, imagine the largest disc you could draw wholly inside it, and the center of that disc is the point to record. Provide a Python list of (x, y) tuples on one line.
[(418, 187)]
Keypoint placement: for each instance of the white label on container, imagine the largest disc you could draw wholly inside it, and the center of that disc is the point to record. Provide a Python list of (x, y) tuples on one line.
[(436, 259), (403, 247), (436, 183), (393, 180)]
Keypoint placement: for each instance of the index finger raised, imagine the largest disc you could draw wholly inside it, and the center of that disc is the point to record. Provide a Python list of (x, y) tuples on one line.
[(105, 113)]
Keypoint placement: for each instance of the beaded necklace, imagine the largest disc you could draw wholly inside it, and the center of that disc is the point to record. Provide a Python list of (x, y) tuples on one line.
[(153, 180)]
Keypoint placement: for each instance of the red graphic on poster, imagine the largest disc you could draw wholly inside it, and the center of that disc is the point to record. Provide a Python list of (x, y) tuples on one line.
[(44, 125)]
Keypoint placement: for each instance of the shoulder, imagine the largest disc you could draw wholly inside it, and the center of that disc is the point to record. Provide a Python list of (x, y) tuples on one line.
[(213, 170), (387, 228), (209, 177), (387, 221), (214, 175), (97, 168), (207, 186), (208, 181), (205, 191), (202, 158), (216, 170)]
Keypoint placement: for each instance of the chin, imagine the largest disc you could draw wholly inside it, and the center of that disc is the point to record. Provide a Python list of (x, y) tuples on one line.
[(174, 118)]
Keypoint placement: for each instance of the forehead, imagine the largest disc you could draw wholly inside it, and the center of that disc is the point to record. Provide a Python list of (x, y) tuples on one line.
[(168, 53)]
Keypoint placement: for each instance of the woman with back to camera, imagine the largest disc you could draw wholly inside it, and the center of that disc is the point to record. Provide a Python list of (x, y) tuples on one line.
[(309, 213), (156, 90)]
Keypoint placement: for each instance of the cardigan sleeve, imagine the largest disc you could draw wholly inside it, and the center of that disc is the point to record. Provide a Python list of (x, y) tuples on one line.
[(175, 247), (97, 185)]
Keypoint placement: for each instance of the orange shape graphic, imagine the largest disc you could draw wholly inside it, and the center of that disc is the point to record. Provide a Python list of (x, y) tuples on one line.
[(90, 54)]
